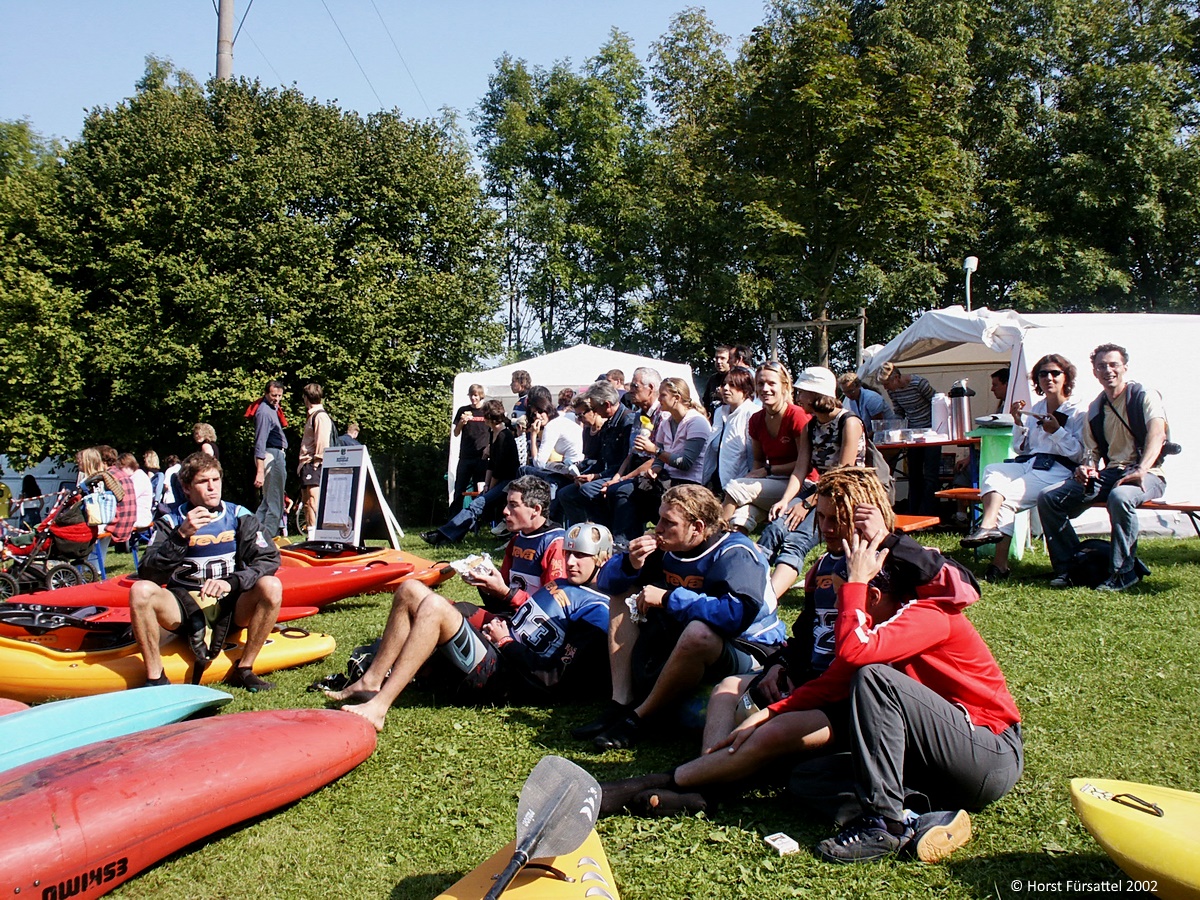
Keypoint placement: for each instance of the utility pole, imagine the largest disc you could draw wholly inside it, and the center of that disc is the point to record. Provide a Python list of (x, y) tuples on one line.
[(225, 41)]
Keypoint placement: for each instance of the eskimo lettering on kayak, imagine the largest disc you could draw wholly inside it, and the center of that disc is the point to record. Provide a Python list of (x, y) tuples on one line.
[(80, 884)]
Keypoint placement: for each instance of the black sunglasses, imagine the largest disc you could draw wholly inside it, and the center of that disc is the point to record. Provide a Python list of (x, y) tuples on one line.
[(1053, 373)]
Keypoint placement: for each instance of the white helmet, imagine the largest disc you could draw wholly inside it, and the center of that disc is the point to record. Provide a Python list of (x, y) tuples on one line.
[(589, 538)]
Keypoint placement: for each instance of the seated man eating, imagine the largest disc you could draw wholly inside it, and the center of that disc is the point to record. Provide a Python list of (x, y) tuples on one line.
[(706, 597), (552, 647), (219, 570)]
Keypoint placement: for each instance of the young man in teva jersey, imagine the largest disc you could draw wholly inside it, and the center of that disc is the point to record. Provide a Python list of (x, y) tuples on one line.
[(555, 646), (534, 555), (219, 570)]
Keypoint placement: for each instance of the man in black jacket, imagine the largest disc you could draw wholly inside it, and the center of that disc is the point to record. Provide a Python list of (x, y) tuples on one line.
[(218, 569)]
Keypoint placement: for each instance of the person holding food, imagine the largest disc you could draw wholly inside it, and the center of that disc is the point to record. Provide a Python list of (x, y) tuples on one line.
[(218, 570)]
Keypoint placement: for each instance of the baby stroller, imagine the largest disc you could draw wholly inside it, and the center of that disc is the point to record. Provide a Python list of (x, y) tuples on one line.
[(54, 554)]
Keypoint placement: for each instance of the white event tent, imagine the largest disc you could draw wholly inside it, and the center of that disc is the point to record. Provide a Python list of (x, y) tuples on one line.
[(948, 344), (575, 367)]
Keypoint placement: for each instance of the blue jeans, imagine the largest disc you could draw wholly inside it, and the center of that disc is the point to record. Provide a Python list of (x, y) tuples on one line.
[(466, 519), (784, 547), (1059, 505), (622, 508), (270, 511), (557, 480)]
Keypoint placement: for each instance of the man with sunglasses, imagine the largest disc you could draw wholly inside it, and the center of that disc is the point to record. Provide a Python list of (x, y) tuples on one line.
[(1126, 431)]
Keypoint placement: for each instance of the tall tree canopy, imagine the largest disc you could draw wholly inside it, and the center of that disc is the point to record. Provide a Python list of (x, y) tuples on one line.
[(565, 155), (216, 237)]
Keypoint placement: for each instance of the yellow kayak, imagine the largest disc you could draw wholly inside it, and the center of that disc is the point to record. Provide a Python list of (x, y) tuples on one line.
[(587, 868), (1152, 833), (32, 673)]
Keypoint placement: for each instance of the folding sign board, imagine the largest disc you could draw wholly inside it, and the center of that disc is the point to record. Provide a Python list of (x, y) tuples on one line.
[(351, 507)]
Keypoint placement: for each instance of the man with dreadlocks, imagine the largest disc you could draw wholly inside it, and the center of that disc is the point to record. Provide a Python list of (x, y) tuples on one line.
[(879, 597)]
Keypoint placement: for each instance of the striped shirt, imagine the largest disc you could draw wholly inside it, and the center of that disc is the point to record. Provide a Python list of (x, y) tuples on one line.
[(914, 402)]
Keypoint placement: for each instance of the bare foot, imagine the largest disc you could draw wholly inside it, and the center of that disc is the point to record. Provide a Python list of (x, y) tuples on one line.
[(368, 712), (353, 691), (362, 695)]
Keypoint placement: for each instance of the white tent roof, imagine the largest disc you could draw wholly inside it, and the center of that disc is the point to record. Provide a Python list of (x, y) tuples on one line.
[(944, 344), (575, 367)]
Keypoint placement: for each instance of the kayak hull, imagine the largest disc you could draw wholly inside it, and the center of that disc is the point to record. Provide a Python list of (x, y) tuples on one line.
[(82, 822), (32, 673), (588, 868)]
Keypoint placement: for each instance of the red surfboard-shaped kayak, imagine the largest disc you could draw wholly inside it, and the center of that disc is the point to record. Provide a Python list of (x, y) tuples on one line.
[(79, 823), (301, 586)]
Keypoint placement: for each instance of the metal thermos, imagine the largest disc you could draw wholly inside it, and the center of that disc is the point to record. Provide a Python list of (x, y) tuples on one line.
[(960, 410)]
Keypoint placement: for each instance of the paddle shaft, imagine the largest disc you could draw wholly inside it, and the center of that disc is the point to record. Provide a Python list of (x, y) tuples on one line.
[(505, 878)]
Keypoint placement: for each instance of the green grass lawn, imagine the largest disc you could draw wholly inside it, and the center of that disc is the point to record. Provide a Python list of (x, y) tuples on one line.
[(1107, 685)]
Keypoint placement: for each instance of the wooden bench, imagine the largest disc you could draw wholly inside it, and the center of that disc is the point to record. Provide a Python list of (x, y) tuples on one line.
[(1191, 510), (916, 523)]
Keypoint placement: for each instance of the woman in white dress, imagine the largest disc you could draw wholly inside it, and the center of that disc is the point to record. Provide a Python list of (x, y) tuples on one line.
[(1048, 440)]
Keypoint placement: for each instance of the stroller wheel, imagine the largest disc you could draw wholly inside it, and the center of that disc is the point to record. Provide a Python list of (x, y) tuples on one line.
[(62, 575), (87, 572), (9, 586)]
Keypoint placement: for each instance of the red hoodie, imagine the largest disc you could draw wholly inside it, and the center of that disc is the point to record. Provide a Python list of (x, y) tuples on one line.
[(929, 639)]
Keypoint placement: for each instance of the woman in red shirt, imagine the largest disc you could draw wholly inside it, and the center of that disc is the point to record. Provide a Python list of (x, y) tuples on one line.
[(776, 431)]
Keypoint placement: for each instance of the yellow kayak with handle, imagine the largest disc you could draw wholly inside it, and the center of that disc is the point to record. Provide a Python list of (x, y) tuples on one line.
[(582, 874), (1152, 833)]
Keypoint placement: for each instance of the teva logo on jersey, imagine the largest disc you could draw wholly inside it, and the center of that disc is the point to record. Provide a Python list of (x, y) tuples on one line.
[(79, 884)]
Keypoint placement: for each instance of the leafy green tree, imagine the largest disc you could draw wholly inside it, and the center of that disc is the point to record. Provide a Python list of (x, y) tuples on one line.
[(699, 295), (565, 156), (845, 145), (44, 351), (224, 235), (1084, 115)]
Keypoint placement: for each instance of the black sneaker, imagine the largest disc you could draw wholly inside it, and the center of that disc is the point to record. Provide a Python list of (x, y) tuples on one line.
[(620, 735), (614, 712), (1120, 581), (866, 839), (938, 834), (1061, 581), (994, 575), (433, 538)]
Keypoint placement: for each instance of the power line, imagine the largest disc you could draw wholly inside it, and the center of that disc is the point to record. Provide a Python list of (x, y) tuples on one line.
[(249, 6), (278, 77), (351, 49), (402, 61)]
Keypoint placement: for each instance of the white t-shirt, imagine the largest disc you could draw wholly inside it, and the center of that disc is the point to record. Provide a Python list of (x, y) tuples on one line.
[(143, 492), (563, 439)]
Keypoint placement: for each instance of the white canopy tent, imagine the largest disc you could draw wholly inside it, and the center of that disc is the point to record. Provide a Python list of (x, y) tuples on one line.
[(948, 344), (575, 367)]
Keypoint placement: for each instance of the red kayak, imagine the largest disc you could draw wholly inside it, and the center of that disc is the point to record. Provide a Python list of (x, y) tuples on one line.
[(85, 627), (82, 822), (11, 706), (301, 587), (317, 554)]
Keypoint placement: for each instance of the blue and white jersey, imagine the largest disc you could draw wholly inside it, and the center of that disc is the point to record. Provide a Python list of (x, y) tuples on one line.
[(826, 577), (725, 582), (211, 551), (542, 622)]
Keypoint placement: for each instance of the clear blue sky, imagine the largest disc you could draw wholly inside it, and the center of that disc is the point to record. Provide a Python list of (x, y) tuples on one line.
[(63, 57)]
